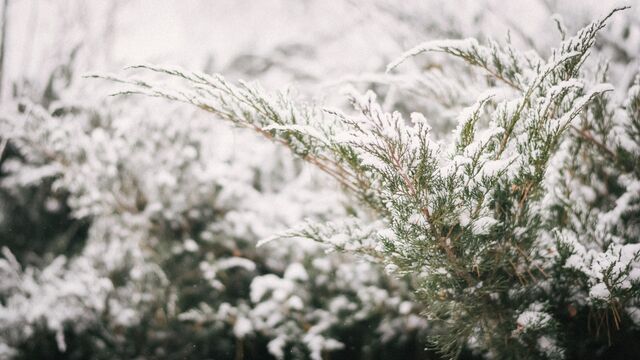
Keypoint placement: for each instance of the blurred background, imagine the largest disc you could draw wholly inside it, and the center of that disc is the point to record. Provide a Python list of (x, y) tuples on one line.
[(315, 40)]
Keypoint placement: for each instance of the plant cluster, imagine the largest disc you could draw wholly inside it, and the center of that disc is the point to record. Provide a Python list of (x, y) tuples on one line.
[(475, 199), (520, 226)]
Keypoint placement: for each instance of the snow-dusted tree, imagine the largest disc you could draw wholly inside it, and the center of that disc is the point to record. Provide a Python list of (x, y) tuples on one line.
[(520, 226)]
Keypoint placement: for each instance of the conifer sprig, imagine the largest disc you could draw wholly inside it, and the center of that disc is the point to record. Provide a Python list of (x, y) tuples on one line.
[(465, 214)]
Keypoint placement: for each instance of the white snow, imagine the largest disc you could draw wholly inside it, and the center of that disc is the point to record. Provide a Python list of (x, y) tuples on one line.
[(483, 225)]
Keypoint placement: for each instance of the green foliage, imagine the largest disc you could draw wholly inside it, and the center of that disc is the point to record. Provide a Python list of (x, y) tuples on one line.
[(472, 217)]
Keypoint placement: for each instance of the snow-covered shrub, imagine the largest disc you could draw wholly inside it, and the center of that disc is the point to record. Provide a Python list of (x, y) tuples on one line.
[(519, 226), (168, 265)]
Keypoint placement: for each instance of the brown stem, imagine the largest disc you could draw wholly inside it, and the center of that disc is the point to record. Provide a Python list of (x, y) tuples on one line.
[(442, 241), (502, 78), (586, 135)]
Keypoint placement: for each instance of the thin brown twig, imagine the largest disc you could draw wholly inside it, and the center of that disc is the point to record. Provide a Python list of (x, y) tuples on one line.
[(587, 136), (531, 261), (502, 78), (339, 175), (442, 241)]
